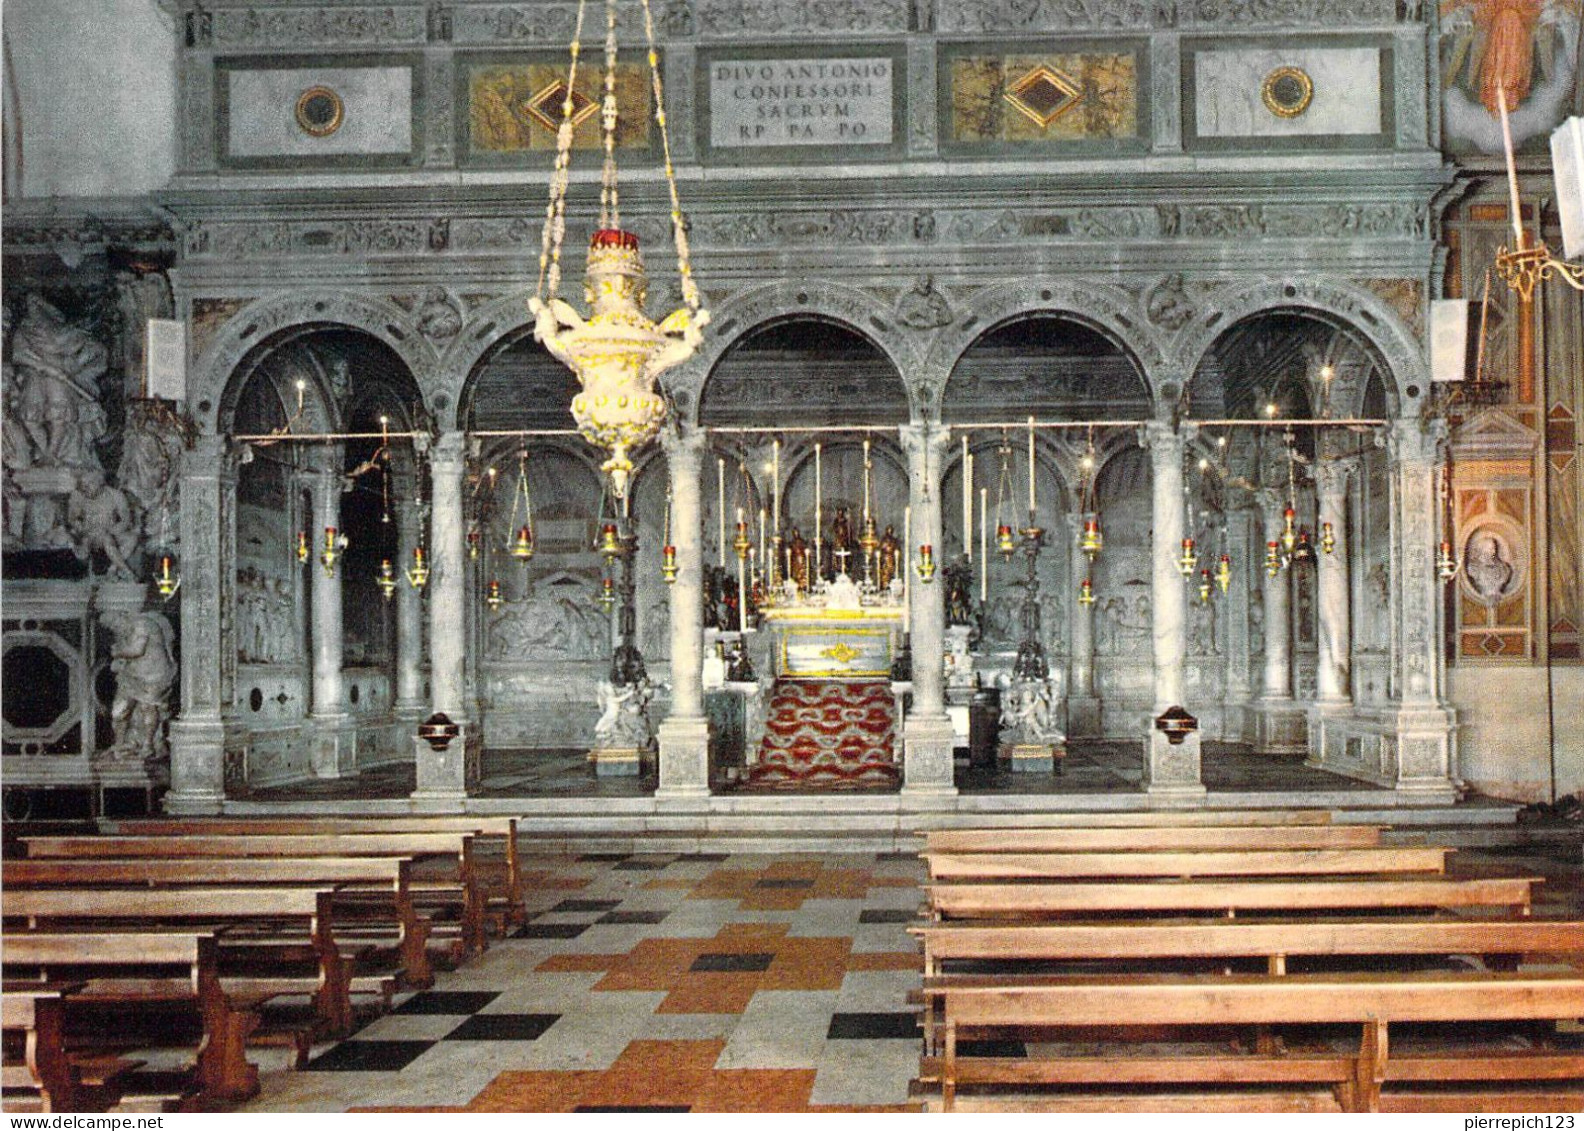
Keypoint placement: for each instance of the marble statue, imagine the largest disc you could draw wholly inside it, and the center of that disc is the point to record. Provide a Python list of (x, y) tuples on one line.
[(923, 307), (624, 720), (100, 518), (1028, 715), (890, 554), (1487, 564), (56, 367), (798, 554), (150, 474), (145, 668)]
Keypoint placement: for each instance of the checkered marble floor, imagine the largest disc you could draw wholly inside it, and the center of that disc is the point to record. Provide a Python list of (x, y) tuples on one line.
[(657, 983)]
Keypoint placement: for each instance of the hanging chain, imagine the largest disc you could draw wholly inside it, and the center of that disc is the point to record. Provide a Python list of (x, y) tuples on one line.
[(610, 207), (555, 211), (690, 291)]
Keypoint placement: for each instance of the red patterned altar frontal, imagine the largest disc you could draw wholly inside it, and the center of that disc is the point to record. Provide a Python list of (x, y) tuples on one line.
[(827, 734)]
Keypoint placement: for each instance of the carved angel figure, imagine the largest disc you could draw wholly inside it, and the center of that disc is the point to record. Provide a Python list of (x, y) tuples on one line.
[(145, 668), (100, 518)]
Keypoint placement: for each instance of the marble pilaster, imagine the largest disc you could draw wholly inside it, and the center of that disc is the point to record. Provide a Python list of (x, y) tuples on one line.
[(927, 735), (333, 738), (446, 775), (684, 733), (1168, 768), (208, 539), (1083, 706)]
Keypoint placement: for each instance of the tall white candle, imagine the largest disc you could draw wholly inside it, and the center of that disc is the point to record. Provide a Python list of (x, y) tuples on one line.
[(1512, 168), (720, 511), (1031, 471), (866, 481), (967, 496), (819, 519), (775, 481), (762, 557), (907, 569), (984, 545)]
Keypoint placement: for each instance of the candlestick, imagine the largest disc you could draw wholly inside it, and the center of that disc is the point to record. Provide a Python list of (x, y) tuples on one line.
[(762, 557), (984, 544), (967, 498), (775, 482), (819, 520), (866, 480), (742, 595), (1512, 167), (720, 511), (1031, 471)]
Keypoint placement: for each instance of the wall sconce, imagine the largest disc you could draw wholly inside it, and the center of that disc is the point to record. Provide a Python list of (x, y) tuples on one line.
[(418, 575), (926, 564), (167, 582), (668, 564), (335, 543), (386, 579), (1447, 565), (1273, 562)]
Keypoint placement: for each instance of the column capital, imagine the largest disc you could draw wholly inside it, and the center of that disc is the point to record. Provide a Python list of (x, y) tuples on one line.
[(1416, 440), (449, 451), (1331, 475), (1164, 439), (1272, 501), (683, 443), (921, 440)]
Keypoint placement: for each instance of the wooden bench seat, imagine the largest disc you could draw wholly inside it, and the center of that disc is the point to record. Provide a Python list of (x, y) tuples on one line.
[(1164, 838), (105, 974), (1373, 1002), (39, 1073), (1284, 862), (499, 833), (452, 853), (244, 917), (372, 890), (1226, 897)]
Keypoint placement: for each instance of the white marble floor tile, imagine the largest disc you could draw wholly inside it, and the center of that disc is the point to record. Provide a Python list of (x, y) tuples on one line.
[(780, 1029)]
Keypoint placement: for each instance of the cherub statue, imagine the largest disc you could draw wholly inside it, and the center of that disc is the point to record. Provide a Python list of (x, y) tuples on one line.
[(101, 519), (617, 352), (145, 668)]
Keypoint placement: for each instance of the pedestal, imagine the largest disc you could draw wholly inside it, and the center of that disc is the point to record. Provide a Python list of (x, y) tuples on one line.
[(684, 759), (1031, 758), (197, 767), (447, 775), (615, 762), (1172, 769), (927, 758), (334, 739)]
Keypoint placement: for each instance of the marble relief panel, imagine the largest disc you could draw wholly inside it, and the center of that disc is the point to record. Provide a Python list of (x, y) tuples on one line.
[(1044, 98), (1276, 92)]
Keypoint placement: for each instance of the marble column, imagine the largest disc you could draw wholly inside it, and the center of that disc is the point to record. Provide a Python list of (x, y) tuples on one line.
[(445, 775), (410, 706), (334, 734), (1335, 620), (1280, 725), (927, 735), (1083, 706), (684, 734), (208, 564), (1168, 768), (1425, 727), (1245, 574)]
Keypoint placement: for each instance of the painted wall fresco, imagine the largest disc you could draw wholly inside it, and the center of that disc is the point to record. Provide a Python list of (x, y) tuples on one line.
[(1528, 47), (516, 107), (1090, 96)]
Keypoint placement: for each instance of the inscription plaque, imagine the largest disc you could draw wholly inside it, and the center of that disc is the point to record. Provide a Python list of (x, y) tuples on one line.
[(773, 102)]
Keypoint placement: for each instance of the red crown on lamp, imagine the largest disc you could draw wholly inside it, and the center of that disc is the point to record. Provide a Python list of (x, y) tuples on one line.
[(614, 237)]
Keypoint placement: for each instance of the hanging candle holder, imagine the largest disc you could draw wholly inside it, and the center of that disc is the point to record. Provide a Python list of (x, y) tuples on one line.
[(610, 541), (302, 546), (1224, 572), (1006, 542), (741, 544), (926, 563), (1086, 593), (167, 581), (1289, 536), (1204, 587), (1303, 553), (668, 553), (1447, 565), (475, 540), (607, 593), (522, 547), (493, 597), (1188, 560), (335, 544), (1327, 538), (1093, 540), (418, 572), (1273, 561), (386, 579)]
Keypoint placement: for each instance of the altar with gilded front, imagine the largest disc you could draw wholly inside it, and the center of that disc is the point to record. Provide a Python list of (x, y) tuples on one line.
[(838, 632)]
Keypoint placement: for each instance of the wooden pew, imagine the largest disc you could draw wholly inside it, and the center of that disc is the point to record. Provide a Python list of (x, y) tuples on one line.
[(41, 1066), (1224, 897), (375, 885), (142, 970), (1294, 862), (1372, 1002), (454, 849), (230, 910), (490, 831), (1153, 839)]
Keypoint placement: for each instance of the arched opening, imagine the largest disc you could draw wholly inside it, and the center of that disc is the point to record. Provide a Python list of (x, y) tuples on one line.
[(1049, 365)]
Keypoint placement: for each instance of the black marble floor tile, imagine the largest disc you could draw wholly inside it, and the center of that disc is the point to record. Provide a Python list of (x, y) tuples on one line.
[(708, 857), (731, 963), (642, 864), (633, 917), (550, 930), (873, 1027), (370, 1056), (784, 885), (503, 1027), (894, 857), (886, 915), (462, 1003), (606, 857), (587, 905)]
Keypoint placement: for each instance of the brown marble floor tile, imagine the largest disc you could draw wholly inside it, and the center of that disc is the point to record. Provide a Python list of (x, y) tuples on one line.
[(711, 993), (536, 1091), (756, 1089), (657, 1073)]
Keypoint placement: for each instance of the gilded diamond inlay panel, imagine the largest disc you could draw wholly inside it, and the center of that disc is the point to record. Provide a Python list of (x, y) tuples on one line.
[(1043, 95)]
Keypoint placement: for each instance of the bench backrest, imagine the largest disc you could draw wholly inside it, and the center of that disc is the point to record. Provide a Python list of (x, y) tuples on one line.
[(1296, 862), (1011, 900), (1155, 839), (106, 948), (1244, 939), (327, 844), (208, 870), (158, 904), (1240, 999)]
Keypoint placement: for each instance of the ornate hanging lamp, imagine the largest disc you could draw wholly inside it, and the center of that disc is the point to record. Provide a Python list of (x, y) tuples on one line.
[(522, 543), (617, 352), (1005, 542), (386, 579), (668, 552), (1091, 541)]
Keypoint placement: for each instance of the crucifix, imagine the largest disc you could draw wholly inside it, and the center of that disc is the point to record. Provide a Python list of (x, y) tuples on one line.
[(842, 553)]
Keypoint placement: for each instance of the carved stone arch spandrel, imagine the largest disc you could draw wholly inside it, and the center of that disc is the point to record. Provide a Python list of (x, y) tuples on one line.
[(737, 316), (255, 323), (1332, 300), (486, 328), (1110, 310)]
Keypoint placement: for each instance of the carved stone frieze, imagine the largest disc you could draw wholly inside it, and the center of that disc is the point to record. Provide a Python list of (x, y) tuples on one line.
[(732, 18), (550, 25), (1339, 220), (233, 240), (1044, 15), (1324, 13), (364, 25), (835, 226)]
